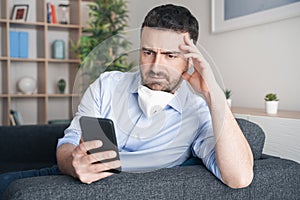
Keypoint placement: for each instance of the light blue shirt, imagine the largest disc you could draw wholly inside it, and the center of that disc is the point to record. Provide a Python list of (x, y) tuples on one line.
[(165, 140)]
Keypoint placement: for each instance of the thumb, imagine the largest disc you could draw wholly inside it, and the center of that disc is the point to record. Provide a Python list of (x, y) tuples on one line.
[(186, 76)]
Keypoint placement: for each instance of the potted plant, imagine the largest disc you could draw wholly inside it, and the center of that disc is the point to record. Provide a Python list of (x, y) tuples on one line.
[(106, 25), (271, 103), (228, 95)]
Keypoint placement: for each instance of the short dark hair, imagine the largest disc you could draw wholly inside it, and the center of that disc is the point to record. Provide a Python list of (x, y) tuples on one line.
[(176, 18)]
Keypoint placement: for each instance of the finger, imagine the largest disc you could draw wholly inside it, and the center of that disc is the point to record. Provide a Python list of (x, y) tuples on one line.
[(186, 76), (101, 167), (193, 55), (105, 155), (100, 156), (92, 177), (188, 40), (82, 148), (187, 48), (94, 144)]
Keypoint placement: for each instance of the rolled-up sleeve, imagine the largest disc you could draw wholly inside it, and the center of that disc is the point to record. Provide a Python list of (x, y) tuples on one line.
[(204, 148)]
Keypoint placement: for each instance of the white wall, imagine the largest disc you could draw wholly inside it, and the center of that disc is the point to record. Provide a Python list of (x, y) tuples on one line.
[(252, 61)]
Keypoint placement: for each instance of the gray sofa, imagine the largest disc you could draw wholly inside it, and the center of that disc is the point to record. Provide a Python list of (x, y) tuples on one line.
[(274, 178)]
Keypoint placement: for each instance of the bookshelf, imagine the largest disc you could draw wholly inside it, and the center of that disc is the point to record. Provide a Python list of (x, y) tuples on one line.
[(46, 103)]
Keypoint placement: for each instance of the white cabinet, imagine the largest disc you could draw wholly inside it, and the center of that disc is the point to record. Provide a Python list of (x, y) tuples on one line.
[(282, 131)]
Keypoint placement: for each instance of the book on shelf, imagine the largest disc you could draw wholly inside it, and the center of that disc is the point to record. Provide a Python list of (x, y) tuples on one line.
[(51, 13), (11, 120), (14, 44), (18, 44), (23, 44), (16, 117)]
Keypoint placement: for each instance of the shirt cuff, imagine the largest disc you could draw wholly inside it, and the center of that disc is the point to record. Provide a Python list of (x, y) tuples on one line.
[(69, 138)]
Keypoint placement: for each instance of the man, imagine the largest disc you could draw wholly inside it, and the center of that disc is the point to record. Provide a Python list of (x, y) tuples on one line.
[(171, 108), (152, 136)]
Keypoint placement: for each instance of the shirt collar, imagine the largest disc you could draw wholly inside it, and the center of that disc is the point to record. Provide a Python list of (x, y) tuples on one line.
[(180, 99), (133, 88)]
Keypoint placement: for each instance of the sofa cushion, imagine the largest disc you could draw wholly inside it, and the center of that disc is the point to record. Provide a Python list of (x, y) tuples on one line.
[(274, 178), (254, 135)]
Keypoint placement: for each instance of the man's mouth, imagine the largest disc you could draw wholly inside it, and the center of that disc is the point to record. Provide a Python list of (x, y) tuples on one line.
[(157, 78)]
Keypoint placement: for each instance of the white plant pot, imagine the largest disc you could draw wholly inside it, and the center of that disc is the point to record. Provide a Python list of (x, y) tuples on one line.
[(229, 101), (271, 107)]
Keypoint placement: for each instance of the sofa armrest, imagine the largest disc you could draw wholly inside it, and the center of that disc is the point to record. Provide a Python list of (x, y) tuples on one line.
[(254, 135), (274, 179)]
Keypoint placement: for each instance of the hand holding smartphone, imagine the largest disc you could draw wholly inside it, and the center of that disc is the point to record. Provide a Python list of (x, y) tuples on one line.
[(100, 129)]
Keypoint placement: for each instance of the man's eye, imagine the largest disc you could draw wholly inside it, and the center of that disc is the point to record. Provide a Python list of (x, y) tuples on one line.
[(148, 53), (172, 56)]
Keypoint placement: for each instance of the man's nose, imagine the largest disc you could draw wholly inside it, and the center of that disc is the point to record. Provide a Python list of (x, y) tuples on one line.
[(157, 59), (157, 62)]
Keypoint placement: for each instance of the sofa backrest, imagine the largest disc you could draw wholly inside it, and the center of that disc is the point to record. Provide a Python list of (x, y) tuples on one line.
[(17, 143), (35, 145)]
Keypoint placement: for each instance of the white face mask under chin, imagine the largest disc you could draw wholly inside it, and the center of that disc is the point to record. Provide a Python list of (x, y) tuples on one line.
[(152, 101)]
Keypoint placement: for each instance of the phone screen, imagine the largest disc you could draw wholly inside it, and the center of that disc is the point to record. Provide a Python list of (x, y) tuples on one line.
[(100, 129)]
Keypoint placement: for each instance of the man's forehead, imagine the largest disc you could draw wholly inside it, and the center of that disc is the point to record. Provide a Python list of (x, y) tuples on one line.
[(162, 39)]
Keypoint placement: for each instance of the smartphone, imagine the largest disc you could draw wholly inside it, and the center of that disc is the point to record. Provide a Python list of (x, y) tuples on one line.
[(100, 129)]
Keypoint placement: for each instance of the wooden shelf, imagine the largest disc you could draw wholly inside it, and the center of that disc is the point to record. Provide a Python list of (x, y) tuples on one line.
[(28, 59), (261, 112), (4, 58), (64, 26), (62, 95), (12, 22), (27, 95), (41, 60), (45, 105), (64, 61)]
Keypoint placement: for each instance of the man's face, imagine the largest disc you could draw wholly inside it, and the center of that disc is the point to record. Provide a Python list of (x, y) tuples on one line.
[(161, 61)]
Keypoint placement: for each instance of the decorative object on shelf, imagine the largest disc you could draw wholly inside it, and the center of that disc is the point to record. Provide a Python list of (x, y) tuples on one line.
[(27, 85), (61, 85), (20, 12), (64, 13), (58, 49), (228, 95), (271, 103)]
